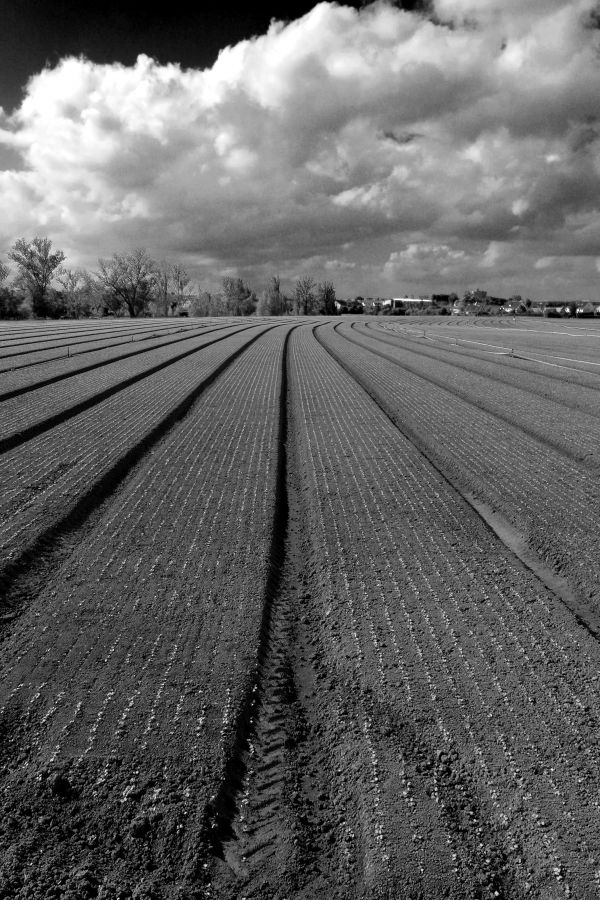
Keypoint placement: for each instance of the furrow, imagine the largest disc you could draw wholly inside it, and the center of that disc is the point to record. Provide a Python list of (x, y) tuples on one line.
[(38, 358), (222, 813), (501, 468), (535, 416), (506, 365), (124, 700), (456, 662), (42, 422), (276, 834), (77, 338), (71, 368), (24, 573)]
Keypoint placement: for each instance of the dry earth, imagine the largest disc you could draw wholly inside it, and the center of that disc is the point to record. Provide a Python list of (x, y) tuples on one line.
[(299, 609)]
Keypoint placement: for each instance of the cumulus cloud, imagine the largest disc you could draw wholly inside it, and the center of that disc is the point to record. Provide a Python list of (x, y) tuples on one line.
[(380, 145)]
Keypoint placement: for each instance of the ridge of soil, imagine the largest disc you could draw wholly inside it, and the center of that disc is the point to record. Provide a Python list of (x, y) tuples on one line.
[(23, 576), (572, 597)]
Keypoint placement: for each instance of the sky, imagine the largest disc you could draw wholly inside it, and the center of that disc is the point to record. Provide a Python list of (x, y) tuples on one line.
[(391, 149)]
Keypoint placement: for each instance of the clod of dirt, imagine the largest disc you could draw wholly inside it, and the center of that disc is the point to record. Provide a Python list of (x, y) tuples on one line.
[(61, 786), (146, 892), (140, 826), (86, 883)]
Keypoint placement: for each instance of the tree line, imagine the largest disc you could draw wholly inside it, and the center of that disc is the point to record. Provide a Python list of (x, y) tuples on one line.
[(135, 284)]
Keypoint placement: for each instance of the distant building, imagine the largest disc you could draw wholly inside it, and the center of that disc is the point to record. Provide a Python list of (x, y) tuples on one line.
[(399, 302), (553, 308), (587, 309)]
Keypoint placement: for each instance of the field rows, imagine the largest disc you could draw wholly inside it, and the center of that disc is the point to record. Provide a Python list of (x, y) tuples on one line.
[(429, 627), (151, 693), (32, 327), (47, 404), (571, 389), (45, 478), (547, 496), (26, 378), (17, 355), (259, 644), (21, 346), (530, 340)]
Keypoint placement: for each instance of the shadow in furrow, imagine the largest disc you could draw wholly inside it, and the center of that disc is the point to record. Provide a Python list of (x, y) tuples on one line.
[(222, 825)]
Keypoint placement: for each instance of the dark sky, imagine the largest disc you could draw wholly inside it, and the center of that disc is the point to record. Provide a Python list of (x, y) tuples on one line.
[(34, 33)]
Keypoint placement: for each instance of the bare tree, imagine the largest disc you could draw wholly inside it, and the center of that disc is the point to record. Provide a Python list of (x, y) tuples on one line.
[(180, 279), (202, 304), (162, 283), (272, 301), (37, 267), (240, 300), (171, 282), (129, 279), (304, 296), (77, 290), (326, 298)]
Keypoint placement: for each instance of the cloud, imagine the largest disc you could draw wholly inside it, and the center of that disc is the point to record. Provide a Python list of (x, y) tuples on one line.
[(368, 143)]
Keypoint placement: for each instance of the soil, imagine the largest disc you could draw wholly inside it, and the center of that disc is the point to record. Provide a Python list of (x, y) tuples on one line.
[(288, 655)]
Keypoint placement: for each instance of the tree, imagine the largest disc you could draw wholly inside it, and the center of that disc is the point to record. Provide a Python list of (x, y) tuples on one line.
[(202, 304), (128, 280), (272, 301), (239, 299), (476, 296), (180, 279), (170, 283), (162, 282), (263, 306), (571, 306), (77, 292), (181, 284), (10, 304), (37, 267), (304, 296), (326, 298)]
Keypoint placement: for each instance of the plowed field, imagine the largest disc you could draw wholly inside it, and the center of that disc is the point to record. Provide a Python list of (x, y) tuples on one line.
[(299, 609)]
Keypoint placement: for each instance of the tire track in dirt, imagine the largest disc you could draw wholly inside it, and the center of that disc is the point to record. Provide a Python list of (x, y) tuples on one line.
[(281, 837), (23, 576), (147, 640), (221, 815), (270, 828)]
